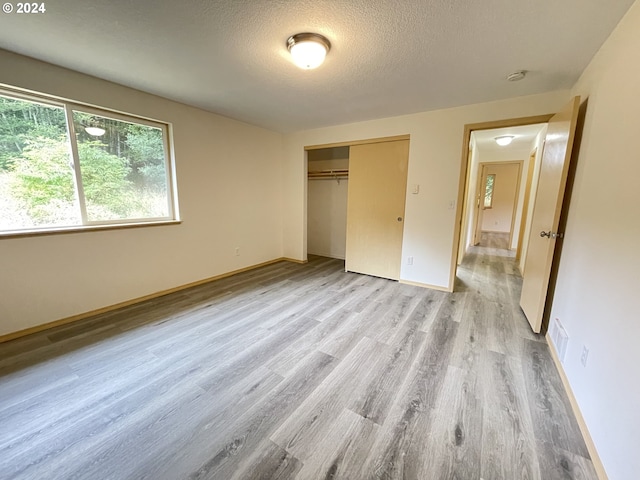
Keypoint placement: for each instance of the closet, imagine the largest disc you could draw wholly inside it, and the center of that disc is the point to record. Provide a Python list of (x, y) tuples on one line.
[(356, 200), (328, 182)]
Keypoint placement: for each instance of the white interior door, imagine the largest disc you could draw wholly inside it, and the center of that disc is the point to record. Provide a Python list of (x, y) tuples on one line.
[(546, 212)]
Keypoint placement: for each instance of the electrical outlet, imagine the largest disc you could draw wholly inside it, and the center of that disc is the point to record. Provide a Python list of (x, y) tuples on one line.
[(237, 251), (584, 356), (409, 260)]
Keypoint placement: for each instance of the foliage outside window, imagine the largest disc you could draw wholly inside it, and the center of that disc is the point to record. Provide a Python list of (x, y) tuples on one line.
[(488, 190), (63, 165)]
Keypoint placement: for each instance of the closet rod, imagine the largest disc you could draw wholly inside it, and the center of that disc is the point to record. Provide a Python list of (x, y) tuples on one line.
[(342, 172)]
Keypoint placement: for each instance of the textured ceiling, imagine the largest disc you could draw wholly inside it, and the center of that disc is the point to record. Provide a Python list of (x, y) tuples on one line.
[(388, 57)]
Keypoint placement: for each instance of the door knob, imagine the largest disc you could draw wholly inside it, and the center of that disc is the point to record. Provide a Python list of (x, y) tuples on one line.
[(550, 234), (399, 219)]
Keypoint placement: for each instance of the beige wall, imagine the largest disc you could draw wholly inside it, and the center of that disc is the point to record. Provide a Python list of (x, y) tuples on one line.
[(597, 292), (499, 217), (229, 183), (434, 164)]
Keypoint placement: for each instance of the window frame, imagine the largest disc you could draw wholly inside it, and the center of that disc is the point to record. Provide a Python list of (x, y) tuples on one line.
[(69, 106)]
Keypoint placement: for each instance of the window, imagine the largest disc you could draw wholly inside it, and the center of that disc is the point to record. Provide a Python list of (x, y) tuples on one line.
[(488, 190), (64, 165)]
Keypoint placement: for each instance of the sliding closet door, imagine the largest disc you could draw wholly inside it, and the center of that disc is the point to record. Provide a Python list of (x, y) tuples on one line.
[(375, 208)]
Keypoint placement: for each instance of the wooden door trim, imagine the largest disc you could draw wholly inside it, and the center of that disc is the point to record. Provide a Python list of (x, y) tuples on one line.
[(464, 171), (477, 220), (358, 142), (525, 202), (462, 248), (515, 202)]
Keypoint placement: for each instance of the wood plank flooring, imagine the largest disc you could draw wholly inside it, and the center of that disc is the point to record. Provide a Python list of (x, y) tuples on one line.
[(498, 240), (295, 372)]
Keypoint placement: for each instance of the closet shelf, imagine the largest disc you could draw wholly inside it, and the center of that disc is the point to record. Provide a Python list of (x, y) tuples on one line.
[(338, 173)]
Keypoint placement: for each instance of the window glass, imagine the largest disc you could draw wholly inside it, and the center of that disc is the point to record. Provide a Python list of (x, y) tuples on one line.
[(488, 190), (37, 186), (123, 168), (113, 170)]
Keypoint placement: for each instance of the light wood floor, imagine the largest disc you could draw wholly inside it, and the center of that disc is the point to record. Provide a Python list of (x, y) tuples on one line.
[(295, 371), (497, 241)]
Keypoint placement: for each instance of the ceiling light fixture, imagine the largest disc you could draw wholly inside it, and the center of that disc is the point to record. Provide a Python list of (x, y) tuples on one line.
[(95, 131), (308, 49), (516, 76), (504, 140)]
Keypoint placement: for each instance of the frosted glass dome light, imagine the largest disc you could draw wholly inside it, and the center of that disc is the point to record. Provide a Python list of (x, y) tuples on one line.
[(504, 140), (308, 49)]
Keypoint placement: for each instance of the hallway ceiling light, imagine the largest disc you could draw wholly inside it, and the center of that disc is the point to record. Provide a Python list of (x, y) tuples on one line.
[(308, 49), (504, 140)]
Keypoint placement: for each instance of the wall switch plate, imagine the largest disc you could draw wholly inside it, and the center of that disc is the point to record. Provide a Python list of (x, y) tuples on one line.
[(415, 189), (409, 260), (237, 251), (452, 204), (584, 356)]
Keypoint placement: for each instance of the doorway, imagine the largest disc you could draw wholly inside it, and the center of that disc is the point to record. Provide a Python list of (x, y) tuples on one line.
[(499, 188), (494, 201), (552, 173), (327, 187)]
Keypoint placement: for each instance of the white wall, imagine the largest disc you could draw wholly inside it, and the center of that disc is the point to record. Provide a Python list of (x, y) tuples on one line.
[(597, 291), (229, 182), (327, 205), (434, 164), (328, 217)]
